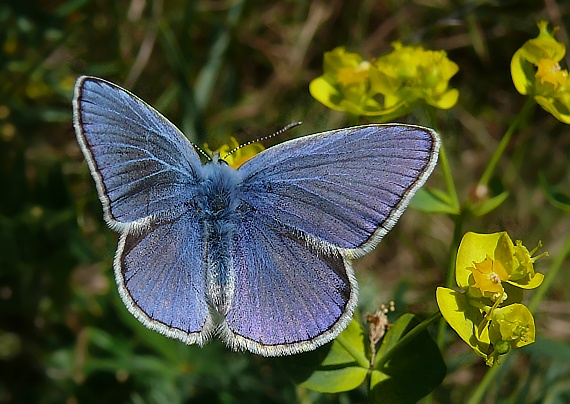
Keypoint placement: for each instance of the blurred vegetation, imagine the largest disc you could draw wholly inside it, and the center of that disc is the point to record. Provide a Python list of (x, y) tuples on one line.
[(221, 68)]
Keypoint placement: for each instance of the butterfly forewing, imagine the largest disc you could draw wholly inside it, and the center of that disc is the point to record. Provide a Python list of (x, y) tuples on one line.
[(141, 163), (346, 187)]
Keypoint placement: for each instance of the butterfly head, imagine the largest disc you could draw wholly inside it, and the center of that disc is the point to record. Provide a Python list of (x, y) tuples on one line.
[(216, 159)]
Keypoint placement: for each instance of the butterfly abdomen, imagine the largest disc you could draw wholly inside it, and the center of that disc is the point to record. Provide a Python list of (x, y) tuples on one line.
[(219, 204)]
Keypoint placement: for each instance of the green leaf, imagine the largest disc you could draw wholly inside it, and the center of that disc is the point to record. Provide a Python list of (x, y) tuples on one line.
[(404, 374), (557, 199), (434, 201), (345, 366), (336, 380), (341, 365), (488, 205)]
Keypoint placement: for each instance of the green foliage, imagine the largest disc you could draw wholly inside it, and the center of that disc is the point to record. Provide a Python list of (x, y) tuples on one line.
[(407, 354)]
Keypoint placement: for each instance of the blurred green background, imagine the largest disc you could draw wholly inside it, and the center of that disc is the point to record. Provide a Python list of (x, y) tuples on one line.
[(221, 68)]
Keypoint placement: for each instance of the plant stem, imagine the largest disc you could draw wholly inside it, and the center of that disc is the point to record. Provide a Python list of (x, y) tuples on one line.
[(479, 392), (448, 177), (550, 276), (445, 167), (450, 273), (484, 181), (458, 219)]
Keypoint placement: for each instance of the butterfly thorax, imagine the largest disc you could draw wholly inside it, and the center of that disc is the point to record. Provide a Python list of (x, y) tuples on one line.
[(219, 202)]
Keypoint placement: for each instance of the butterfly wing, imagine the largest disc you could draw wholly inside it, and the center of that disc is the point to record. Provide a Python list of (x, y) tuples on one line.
[(289, 297), (311, 204), (344, 188), (160, 274), (146, 173), (142, 165)]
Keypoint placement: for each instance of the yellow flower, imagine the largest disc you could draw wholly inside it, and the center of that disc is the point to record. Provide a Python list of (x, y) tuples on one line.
[(410, 73), (513, 323), (239, 155), (347, 76), (548, 71), (344, 85), (498, 248), (536, 70), (388, 87), (483, 315), (488, 276), (510, 327)]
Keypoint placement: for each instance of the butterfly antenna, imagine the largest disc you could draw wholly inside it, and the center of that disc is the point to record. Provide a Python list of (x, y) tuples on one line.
[(261, 139), (201, 151)]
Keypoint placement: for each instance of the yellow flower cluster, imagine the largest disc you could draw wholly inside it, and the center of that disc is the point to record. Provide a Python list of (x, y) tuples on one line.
[(388, 87), (536, 71), (487, 314)]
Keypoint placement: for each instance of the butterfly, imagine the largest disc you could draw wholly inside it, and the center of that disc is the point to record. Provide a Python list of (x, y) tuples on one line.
[(259, 256)]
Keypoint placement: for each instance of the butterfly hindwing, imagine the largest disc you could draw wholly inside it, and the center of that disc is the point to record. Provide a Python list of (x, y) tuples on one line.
[(346, 187), (290, 297), (160, 273)]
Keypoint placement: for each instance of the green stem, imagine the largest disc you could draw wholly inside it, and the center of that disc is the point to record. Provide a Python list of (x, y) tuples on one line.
[(458, 219), (450, 273), (414, 332), (479, 392), (550, 276), (448, 177), (484, 181), (445, 167)]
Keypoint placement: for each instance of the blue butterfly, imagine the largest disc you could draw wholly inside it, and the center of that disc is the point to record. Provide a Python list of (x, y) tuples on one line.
[(259, 256)]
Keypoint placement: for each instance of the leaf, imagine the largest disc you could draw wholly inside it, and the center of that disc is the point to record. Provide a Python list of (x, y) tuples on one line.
[(434, 201), (338, 366), (488, 205), (343, 365), (557, 199), (404, 374)]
